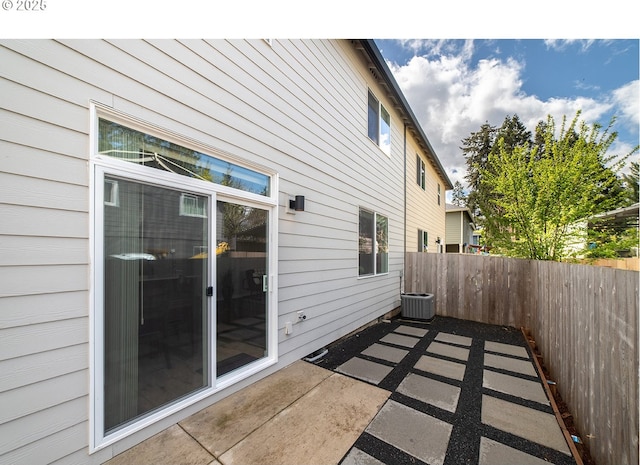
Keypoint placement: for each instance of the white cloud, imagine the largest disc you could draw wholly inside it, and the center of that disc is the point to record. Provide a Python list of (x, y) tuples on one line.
[(627, 100), (452, 99)]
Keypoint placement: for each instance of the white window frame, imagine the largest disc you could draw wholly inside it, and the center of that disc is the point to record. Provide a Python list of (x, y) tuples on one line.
[(423, 240), (374, 244), (380, 111), (102, 165), (198, 211), (114, 198), (421, 172)]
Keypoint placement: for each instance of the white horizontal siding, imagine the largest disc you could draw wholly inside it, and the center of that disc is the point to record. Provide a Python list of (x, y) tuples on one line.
[(69, 444), (27, 161), (34, 397), (30, 250), (42, 222), (37, 192), (27, 280), (25, 340), (40, 135), (37, 426), (298, 108), (29, 369), (26, 310), (43, 107)]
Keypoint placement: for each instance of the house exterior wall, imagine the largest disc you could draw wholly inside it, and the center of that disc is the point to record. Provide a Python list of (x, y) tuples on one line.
[(459, 230), (298, 108), (453, 221), (423, 210)]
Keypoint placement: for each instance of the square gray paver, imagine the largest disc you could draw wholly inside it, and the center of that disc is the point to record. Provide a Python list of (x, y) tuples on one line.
[(514, 386), (510, 364), (516, 351), (441, 367), (411, 330), (496, 453), (454, 339), (536, 426), (391, 354), (400, 340), (357, 457), (449, 351), (430, 391), (413, 432), (364, 370)]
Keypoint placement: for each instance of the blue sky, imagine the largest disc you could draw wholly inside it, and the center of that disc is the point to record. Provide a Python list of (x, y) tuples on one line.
[(454, 86)]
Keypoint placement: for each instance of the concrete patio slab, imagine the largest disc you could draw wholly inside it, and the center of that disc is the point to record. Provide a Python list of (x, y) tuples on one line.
[(536, 426), (391, 354), (515, 365), (449, 351), (454, 339), (317, 429), (430, 391), (518, 387), (516, 351), (365, 370), (357, 457), (172, 445), (400, 340), (411, 330), (441, 367), (413, 432), (495, 453), (227, 422)]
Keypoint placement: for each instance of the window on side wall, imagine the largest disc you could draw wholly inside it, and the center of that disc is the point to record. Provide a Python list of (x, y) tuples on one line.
[(379, 124), (373, 243), (423, 241), (439, 193), (421, 172)]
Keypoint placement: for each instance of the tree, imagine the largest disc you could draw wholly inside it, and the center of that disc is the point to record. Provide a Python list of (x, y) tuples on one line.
[(458, 197), (477, 149), (542, 190), (631, 185)]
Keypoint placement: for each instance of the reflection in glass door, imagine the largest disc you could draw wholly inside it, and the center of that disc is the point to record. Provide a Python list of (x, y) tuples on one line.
[(241, 269), (155, 304)]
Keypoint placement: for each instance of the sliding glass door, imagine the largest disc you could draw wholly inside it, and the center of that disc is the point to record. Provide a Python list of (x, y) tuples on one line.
[(182, 250), (156, 268), (241, 274)]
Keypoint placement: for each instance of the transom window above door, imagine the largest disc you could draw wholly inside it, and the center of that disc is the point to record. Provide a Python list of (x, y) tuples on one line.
[(124, 143)]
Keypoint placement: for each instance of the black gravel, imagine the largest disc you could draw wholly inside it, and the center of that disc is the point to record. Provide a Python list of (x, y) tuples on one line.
[(464, 443)]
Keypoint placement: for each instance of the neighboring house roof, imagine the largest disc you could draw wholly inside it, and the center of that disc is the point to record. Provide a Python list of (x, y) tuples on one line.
[(631, 211), (385, 78), (450, 208)]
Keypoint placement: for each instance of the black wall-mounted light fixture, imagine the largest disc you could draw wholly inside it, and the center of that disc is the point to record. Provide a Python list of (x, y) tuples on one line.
[(297, 204)]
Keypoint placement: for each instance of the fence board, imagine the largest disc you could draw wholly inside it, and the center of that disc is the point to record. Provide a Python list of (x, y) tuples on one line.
[(583, 318)]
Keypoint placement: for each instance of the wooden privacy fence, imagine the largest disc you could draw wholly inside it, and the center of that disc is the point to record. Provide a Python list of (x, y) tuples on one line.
[(583, 318)]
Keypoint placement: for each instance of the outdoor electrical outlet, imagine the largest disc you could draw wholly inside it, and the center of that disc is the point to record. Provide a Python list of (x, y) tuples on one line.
[(288, 327), (301, 316)]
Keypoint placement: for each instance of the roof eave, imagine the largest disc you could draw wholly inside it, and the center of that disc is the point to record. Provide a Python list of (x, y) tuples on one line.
[(369, 47)]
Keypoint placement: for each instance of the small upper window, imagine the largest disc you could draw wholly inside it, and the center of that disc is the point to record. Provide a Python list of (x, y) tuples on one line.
[(439, 194), (421, 172), (193, 205), (379, 124), (111, 196)]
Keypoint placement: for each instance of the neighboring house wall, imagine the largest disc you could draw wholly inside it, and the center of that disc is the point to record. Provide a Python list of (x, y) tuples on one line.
[(459, 229), (296, 108)]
